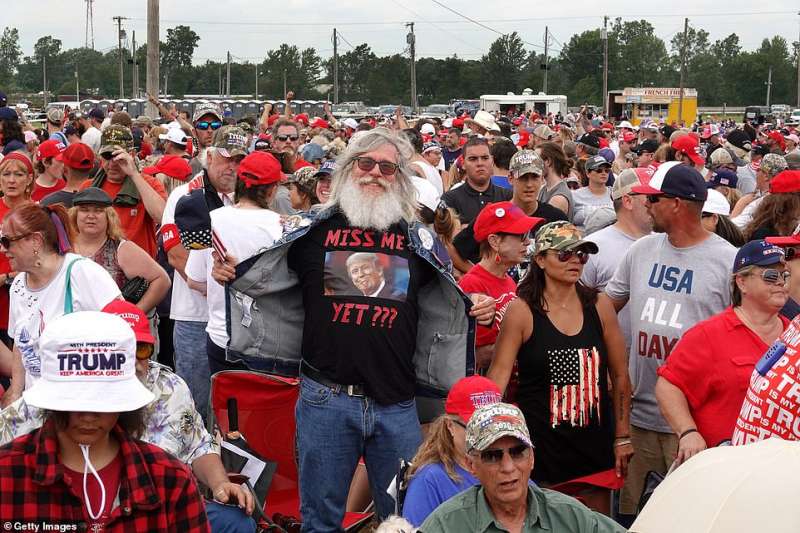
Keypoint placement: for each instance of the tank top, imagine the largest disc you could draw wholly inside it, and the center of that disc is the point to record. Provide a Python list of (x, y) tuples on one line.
[(545, 195), (106, 257), (563, 393)]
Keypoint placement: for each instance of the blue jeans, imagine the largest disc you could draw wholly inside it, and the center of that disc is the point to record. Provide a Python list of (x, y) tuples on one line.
[(228, 519), (333, 431), (191, 361)]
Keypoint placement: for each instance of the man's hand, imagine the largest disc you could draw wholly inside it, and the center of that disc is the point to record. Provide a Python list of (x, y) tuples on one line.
[(125, 161), (622, 457), (691, 444), (223, 271), (12, 394), (289, 96), (483, 309), (231, 494)]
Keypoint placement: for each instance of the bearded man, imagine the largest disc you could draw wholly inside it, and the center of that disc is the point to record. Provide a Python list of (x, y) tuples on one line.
[(368, 360)]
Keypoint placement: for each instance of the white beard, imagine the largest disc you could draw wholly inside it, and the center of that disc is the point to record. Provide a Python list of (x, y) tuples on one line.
[(375, 211)]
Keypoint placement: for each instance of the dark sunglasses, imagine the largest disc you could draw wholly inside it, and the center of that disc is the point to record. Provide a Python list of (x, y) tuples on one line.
[(520, 236), (205, 125), (601, 170), (6, 241), (791, 253), (108, 156), (284, 138), (654, 198), (387, 168), (774, 276), (494, 456), (566, 255)]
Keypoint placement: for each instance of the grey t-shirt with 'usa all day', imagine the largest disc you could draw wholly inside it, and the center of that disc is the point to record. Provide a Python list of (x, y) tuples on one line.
[(669, 290)]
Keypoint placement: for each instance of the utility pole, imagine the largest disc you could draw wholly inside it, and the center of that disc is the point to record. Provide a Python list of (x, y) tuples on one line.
[(89, 24), (228, 77), (135, 63), (683, 69), (255, 97), (336, 68), (546, 66), (769, 85), (77, 85), (220, 79), (604, 36), (798, 68), (44, 78), (412, 43), (153, 56), (119, 49), (284, 85)]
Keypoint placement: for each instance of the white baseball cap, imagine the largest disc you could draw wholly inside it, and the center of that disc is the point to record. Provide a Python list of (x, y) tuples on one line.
[(88, 364), (175, 135), (350, 123), (716, 203), (428, 129), (426, 193)]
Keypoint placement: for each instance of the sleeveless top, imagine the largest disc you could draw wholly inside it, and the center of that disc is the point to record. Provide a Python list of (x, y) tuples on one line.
[(545, 195), (106, 257), (563, 393)]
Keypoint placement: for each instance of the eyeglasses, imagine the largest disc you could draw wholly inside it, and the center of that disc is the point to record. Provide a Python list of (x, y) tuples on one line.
[(205, 125), (654, 198), (792, 253), (566, 255), (108, 156), (495, 456), (6, 241), (387, 168), (143, 350), (773, 276), (284, 138)]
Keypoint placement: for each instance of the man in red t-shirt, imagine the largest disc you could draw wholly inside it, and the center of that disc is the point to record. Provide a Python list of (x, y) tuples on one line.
[(138, 199)]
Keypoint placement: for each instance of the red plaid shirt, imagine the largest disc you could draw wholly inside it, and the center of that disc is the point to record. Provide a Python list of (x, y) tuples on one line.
[(157, 492)]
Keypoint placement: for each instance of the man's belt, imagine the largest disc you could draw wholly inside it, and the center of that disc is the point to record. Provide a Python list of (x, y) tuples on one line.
[(319, 377)]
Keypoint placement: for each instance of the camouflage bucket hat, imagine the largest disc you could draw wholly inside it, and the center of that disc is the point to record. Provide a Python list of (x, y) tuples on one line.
[(305, 179), (492, 422), (526, 162), (561, 235), (115, 137), (230, 141), (772, 164)]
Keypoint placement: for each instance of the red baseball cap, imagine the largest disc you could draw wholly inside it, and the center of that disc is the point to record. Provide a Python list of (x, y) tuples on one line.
[(260, 168), (627, 136), (689, 145), (320, 123), (302, 118), (607, 126), (778, 138), (50, 148), (791, 240), (469, 394), (785, 181), (524, 138), (134, 316), (503, 217), (273, 119), (174, 166), (78, 156)]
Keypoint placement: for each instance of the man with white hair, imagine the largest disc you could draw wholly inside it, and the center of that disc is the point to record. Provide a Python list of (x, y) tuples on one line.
[(359, 355)]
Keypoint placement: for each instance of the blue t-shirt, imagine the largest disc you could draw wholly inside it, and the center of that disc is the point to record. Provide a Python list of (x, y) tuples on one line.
[(430, 487), (501, 181)]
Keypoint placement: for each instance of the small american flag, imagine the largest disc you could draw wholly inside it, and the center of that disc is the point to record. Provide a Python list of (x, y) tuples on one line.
[(574, 385), (216, 242)]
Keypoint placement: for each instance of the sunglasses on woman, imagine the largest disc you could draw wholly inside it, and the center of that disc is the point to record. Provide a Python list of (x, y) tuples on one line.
[(6, 241), (495, 456), (792, 253), (387, 168), (565, 255), (774, 276), (205, 125)]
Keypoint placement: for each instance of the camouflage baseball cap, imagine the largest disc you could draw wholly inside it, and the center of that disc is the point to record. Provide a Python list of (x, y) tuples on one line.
[(772, 164), (115, 137), (561, 235), (492, 422), (526, 162), (305, 179), (230, 141), (206, 108)]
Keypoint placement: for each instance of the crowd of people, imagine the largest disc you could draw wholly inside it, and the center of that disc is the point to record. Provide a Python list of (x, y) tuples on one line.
[(453, 294)]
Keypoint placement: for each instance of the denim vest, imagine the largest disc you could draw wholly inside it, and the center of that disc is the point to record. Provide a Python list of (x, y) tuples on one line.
[(264, 313)]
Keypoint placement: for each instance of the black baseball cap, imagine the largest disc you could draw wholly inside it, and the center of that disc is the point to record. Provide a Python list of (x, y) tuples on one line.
[(649, 146), (676, 179), (96, 114), (589, 140)]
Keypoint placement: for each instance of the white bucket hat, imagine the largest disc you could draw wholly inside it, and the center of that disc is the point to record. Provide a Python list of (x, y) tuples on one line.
[(716, 203), (88, 364), (485, 120)]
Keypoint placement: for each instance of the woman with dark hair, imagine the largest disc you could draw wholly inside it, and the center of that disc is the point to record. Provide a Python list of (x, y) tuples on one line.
[(777, 214), (567, 342), (51, 282), (716, 219), (11, 130), (98, 472), (240, 232), (556, 168)]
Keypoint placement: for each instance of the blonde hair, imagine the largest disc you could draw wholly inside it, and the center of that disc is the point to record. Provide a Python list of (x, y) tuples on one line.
[(438, 447), (113, 225)]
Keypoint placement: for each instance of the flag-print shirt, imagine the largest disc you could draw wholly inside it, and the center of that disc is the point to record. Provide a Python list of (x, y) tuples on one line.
[(563, 392), (157, 493)]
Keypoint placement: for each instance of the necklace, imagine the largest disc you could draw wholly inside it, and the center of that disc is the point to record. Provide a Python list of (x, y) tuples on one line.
[(768, 338)]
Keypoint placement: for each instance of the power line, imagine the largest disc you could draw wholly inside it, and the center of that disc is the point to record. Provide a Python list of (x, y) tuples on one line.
[(438, 28), (345, 40)]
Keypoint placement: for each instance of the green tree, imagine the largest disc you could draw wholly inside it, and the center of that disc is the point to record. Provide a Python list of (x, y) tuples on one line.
[(179, 48), (504, 64), (10, 53), (641, 58), (581, 65)]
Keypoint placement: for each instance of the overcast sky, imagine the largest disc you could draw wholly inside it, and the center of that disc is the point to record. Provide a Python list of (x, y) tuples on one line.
[(440, 33)]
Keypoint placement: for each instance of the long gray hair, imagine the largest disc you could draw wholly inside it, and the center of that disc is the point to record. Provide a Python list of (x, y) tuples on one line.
[(367, 141)]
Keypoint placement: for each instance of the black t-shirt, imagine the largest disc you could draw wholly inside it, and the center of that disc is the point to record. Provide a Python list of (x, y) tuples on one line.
[(450, 156), (360, 297), (469, 249), (59, 197), (468, 202)]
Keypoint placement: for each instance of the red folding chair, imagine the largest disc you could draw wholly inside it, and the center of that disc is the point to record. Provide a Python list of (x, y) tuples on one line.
[(265, 405)]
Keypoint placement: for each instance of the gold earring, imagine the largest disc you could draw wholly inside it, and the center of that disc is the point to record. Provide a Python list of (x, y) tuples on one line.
[(38, 262)]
